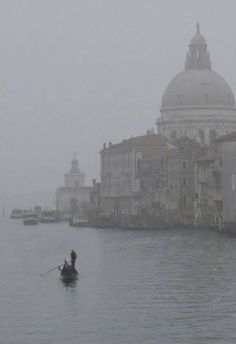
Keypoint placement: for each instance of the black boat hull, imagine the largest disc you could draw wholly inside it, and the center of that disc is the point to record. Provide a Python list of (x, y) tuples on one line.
[(69, 276)]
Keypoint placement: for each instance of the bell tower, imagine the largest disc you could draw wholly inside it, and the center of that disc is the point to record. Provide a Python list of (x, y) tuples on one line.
[(75, 178)]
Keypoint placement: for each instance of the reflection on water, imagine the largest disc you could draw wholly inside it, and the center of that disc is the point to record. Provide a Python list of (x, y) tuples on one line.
[(174, 286), (69, 284)]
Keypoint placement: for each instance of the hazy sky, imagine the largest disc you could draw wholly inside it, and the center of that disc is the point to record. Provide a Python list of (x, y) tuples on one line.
[(77, 73)]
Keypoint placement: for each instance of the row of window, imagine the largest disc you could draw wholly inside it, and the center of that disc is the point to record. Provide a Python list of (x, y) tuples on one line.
[(201, 135)]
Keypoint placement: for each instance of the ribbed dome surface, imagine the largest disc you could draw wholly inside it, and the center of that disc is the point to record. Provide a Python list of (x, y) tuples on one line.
[(198, 88)]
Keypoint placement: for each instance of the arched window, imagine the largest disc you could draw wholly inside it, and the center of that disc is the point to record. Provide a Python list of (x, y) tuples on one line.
[(178, 99), (212, 135), (202, 135), (173, 135)]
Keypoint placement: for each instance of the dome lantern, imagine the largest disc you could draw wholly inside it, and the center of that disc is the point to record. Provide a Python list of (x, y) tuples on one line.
[(197, 56)]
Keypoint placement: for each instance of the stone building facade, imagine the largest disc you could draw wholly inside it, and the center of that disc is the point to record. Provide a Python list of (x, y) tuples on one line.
[(227, 151), (120, 185), (208, 203), (167, 184)]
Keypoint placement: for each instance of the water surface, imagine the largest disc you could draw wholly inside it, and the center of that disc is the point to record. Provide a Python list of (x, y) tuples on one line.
[(166, 286)]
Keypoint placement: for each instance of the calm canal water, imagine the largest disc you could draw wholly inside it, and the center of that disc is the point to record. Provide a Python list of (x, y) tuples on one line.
[(174, 286)]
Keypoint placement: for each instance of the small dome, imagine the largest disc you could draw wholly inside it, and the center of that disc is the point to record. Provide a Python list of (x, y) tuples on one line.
[(198, 88), (198, 39)]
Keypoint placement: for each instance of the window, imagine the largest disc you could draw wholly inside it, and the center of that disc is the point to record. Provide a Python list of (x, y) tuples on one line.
[(212, 135), (184, 165), (173, 135), (233, 182), (184, 181), (201, 135)]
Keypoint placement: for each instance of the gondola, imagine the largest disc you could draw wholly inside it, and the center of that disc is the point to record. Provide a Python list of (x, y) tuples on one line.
[(68, 273)]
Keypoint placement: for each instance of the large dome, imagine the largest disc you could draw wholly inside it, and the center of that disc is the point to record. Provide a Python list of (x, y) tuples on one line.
[(198, 86), (195, 88), (198, 103)]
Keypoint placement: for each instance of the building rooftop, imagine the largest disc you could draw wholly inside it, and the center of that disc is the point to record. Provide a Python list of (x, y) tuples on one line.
[(144, 141)]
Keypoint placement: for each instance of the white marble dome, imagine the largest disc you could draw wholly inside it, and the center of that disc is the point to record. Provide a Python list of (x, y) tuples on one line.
[(198, 103), (195, 88)]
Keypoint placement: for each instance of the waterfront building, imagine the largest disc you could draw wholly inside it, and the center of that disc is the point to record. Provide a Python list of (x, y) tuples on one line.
[(167, 184), (157, 198), (198, 102), (215, 183), (208, 202), (227, 151), (95, 200), (74, 196), (120, 185)]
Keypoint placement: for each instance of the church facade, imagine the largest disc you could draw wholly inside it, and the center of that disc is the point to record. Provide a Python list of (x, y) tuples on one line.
[(198, 103), (73, 197)]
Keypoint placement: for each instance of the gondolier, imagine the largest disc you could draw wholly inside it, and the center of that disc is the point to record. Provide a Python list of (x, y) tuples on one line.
[(73, 257)]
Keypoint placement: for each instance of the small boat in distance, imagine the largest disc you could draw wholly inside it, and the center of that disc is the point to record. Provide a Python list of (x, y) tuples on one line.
[(17, 214), (30, 219), (49, 216), (78, 221)]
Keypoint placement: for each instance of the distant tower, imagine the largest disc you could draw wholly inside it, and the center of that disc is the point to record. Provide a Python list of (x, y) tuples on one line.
[(75, 178)]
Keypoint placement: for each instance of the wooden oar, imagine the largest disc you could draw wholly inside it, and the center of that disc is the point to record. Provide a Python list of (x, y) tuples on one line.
[(51, 270)]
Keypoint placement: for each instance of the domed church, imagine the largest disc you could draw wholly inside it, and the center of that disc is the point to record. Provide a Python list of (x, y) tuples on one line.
[(198, 103)]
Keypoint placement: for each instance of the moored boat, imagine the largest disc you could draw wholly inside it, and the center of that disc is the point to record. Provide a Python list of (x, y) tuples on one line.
[(30, 219), (49, 216), (79, 222)]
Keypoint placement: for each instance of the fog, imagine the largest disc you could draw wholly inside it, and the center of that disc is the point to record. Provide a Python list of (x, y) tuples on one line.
[(75, 74)]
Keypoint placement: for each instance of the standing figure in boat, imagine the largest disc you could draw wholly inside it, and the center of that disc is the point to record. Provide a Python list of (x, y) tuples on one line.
[(73, 257)]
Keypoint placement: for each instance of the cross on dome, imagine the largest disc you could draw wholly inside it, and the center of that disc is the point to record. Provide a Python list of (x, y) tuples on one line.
[(198, 28)]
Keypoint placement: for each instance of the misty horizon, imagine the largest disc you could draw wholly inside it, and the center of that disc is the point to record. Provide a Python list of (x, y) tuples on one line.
[(76, 75)]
